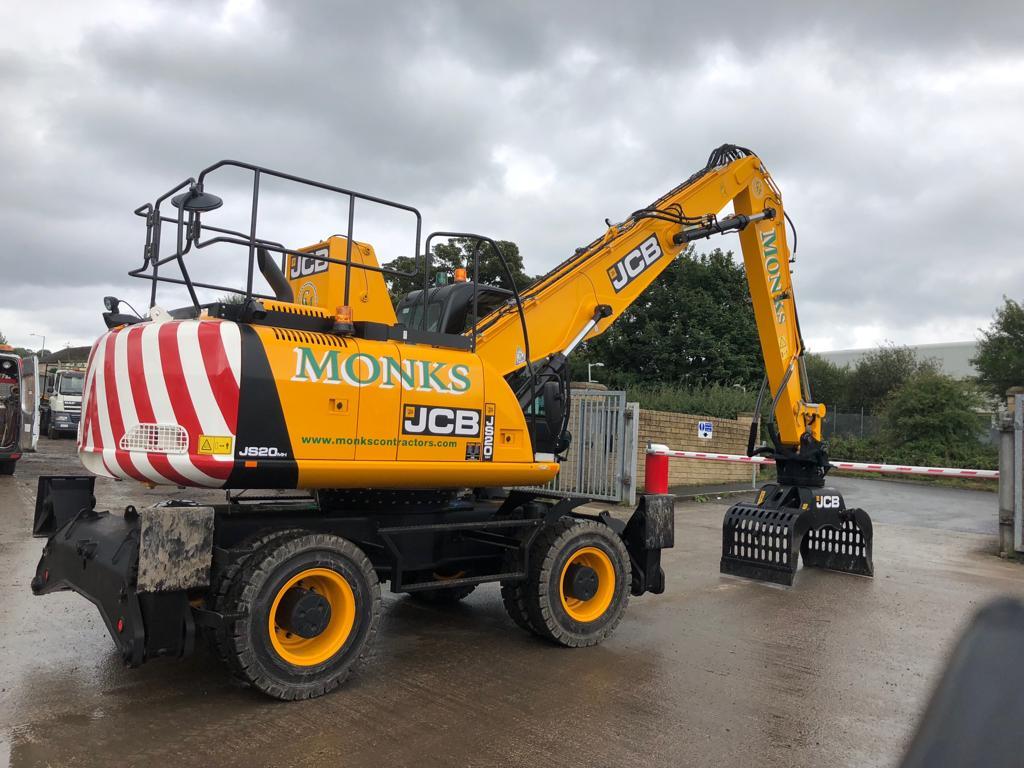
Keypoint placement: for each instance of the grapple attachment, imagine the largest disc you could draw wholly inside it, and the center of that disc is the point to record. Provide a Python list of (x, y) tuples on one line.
[(764, 539)]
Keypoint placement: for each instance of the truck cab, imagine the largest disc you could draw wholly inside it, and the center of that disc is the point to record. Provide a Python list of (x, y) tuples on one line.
[(63, 405), (10, 410)]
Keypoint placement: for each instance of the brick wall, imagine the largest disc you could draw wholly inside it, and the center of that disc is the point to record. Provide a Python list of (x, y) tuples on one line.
[(679, 432)]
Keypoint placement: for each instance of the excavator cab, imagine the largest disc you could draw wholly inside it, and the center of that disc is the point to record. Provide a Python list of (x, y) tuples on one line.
[(450, 308)]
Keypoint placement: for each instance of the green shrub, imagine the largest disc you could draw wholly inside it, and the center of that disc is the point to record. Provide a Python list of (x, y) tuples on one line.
[(714, 400), (929, 420), (973, 454)]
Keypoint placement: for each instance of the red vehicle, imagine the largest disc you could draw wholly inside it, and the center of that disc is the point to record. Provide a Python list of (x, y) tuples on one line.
[(10, 410)]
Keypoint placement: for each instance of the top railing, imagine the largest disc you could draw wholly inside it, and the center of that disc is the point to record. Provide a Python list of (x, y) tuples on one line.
[(191, 202)]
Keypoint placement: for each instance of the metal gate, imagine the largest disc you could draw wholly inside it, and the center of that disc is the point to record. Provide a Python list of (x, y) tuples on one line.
[(601, 461)]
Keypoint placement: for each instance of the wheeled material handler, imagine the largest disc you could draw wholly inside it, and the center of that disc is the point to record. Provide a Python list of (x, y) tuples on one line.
[(359, 446)]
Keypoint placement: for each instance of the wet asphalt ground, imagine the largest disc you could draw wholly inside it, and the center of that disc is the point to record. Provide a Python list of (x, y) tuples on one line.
[(717, 671)]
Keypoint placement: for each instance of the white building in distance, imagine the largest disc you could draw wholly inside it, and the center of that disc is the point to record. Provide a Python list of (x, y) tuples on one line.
[(953, 357)]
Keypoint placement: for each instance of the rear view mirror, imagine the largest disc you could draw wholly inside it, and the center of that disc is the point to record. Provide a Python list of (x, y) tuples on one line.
[(112, 303)]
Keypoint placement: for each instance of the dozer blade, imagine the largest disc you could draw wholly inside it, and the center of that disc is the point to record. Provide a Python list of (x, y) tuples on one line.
[(763, 540)]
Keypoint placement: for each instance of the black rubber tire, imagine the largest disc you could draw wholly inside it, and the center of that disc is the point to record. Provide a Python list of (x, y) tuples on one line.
[(7, 467), (222, 577), (52, 433), (513, 597), (445, 596), (250, 654), (544, 608), (514, 594)]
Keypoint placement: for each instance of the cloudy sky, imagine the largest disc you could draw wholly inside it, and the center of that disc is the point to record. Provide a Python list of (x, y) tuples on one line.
[(893, 130)]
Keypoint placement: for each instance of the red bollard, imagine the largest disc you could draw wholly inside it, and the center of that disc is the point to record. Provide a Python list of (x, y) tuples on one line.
[(656, 473)]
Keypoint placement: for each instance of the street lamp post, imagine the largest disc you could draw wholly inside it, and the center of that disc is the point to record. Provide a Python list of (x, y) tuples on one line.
[(590, 375), (41, 336)]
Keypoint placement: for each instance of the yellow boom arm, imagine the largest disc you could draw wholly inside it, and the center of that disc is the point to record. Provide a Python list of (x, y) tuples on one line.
[(583, 296)]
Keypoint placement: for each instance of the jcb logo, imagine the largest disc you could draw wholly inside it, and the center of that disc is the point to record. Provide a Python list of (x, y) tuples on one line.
[(428, 420), (301, 266), (632, 265), (828, 502)]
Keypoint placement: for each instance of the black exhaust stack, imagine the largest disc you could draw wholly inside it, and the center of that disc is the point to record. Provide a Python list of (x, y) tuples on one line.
[(274, 276)]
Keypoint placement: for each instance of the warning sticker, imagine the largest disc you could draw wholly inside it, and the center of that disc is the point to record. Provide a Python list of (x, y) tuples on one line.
[(215, 445)]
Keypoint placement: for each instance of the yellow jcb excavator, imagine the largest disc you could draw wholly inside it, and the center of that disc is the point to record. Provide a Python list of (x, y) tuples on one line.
[(402, 421)]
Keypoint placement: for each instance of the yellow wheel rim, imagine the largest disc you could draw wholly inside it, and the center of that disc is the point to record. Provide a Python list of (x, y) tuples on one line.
[(310, 651), (585, 611)]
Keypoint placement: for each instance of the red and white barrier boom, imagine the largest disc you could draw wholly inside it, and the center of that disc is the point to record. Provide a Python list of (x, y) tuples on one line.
[(658, 456)]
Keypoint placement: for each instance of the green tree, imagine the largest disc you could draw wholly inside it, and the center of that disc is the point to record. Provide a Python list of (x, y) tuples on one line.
[(880, 373), (1000, 358), (3, 339), (830, 383), (693, 327), (457, 253), (933, 418)]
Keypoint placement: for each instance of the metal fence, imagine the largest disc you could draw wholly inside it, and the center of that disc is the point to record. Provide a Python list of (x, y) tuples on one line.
[(861, 423), (850, 423), (601, 461)]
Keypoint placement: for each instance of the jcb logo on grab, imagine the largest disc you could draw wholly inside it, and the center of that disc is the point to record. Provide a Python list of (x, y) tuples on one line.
[(828, 502), (427, 420), (632, 265)]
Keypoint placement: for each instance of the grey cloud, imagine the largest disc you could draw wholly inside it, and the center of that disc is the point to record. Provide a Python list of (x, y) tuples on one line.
[(891, 128)]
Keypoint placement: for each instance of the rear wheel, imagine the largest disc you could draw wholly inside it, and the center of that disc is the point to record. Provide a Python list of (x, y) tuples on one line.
[(7, 467), (513, 597), (222, 577), (307, 608), (579, 583)]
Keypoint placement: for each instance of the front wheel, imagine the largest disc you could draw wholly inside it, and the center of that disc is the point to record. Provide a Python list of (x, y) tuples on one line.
[(579, 583), (306, 610)]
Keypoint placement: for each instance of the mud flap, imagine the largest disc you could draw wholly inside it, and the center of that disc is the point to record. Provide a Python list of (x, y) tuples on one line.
[(97, 555), (650, 529), (764, 540)]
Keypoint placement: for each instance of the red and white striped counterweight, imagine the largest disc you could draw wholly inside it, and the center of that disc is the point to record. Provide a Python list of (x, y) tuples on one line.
[(152, 392)]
